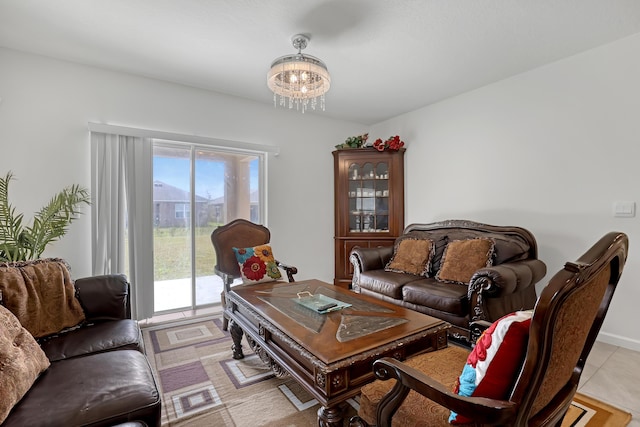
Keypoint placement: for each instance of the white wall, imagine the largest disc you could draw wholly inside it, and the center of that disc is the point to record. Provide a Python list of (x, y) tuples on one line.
[(46, 105), (549, 150)]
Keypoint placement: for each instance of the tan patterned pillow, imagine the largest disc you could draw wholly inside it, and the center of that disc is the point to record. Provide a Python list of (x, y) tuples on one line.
[(462, 258), (411, 256), (21, 362)]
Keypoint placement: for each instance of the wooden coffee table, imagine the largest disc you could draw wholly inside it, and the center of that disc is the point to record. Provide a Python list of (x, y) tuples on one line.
[(330, 355)]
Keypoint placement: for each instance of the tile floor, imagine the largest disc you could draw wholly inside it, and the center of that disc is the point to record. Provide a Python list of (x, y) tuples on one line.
[(611, 373)]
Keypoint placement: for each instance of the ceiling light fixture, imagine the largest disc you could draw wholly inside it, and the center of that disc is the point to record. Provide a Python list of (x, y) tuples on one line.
[(299, 80)]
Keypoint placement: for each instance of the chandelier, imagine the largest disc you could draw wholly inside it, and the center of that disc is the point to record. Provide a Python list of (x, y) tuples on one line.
[(299, 80)]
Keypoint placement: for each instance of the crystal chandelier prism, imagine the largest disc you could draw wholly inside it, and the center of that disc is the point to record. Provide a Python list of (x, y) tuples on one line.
[(299, 80)]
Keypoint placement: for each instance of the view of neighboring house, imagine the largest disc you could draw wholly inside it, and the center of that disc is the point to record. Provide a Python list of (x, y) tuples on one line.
[(171, 206), (217, 208)]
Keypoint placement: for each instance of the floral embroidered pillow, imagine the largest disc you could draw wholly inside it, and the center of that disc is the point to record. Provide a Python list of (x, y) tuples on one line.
[(257, 264)]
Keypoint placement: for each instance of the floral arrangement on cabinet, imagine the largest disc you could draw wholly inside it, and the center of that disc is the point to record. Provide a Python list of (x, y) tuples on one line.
[(393, 143), (358, 141)]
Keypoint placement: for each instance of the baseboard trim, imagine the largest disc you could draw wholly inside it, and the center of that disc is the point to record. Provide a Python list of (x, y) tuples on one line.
[(618, 340)]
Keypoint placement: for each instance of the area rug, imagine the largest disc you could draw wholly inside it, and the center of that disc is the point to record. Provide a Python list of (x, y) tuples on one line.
[(589, 412), (202, 385)]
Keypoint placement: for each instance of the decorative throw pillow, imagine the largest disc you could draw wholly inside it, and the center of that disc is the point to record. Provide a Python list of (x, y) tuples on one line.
[(492, 367), (257, 264), (21, 362), (41, 295), (462, 258), (411, 256)]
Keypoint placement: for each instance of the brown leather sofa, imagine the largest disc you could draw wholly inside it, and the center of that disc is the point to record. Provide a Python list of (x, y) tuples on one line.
[(99, 374), (506, 285)]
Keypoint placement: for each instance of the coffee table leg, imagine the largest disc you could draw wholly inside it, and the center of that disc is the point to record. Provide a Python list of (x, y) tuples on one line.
[(331, 417), (236, 336)]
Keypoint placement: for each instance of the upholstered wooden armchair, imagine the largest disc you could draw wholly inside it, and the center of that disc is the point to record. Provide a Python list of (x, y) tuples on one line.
[(239, 233), (562, 329)]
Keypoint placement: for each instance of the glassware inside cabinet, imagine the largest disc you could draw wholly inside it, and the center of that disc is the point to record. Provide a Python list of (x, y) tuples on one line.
[(382, 171), (382, 188), (368, 197), (355, 213), (368, 171), (354, 171), (355, 221), (354, 189), (382, 222)]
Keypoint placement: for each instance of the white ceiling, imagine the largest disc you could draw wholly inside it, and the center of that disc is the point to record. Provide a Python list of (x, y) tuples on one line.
[(386, 57)]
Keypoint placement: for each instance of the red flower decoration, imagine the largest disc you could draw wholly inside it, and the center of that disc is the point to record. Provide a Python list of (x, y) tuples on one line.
[(393, 143), (254, 268)]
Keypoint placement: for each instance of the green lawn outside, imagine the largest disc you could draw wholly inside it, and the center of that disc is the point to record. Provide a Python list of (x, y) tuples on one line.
[(172, 257)]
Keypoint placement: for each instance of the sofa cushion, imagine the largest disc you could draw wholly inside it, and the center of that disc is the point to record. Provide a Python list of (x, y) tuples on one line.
[(462, 258), (96, 338), (98, 389), (508, 247), (21, 361), (41, 295), (439, 239), (104, 297), (257, 264), (385, 282), (411, 256), (451, 298), (492, 367)]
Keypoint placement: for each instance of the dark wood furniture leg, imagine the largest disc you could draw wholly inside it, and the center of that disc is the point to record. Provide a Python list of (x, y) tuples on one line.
[(236, 336), (331, 417)]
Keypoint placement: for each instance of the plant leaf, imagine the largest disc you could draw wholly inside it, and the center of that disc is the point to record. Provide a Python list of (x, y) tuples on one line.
[(50, 223)]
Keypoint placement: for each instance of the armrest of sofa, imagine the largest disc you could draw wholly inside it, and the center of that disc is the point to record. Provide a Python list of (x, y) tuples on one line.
[(502, 280), (507, 278), (104, 297), (364, 259)]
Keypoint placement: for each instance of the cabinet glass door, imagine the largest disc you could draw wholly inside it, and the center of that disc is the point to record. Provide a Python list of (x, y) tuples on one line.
[(368, 197)]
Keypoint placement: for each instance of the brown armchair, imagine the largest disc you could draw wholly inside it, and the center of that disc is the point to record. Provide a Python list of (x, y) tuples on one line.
[(566, 320), (239, 233)]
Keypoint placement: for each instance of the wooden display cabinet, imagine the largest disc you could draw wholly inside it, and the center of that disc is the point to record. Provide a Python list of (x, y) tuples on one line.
[(369, 203)]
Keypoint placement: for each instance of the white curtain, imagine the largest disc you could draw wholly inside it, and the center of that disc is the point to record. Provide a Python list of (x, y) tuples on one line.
[(122, 198)]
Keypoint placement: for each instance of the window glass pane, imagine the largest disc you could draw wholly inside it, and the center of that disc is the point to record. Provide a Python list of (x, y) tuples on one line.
[(172, 228), (228, 183), (225, 186)]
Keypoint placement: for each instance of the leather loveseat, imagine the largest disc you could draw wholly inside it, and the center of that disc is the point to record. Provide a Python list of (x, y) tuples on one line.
[(97, 374), (466, 273)]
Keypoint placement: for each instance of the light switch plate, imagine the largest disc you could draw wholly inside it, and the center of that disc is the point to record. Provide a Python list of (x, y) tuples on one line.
[(624, 209)]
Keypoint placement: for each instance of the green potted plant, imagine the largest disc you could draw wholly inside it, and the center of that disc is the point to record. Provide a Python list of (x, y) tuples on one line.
[(357, 141), (20, 242)]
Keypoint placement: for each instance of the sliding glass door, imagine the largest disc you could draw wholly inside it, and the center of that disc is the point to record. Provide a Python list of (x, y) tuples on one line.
[(195, 189)]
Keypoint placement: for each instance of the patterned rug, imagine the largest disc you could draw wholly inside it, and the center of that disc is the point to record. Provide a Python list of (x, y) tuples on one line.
[(202, 385)]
